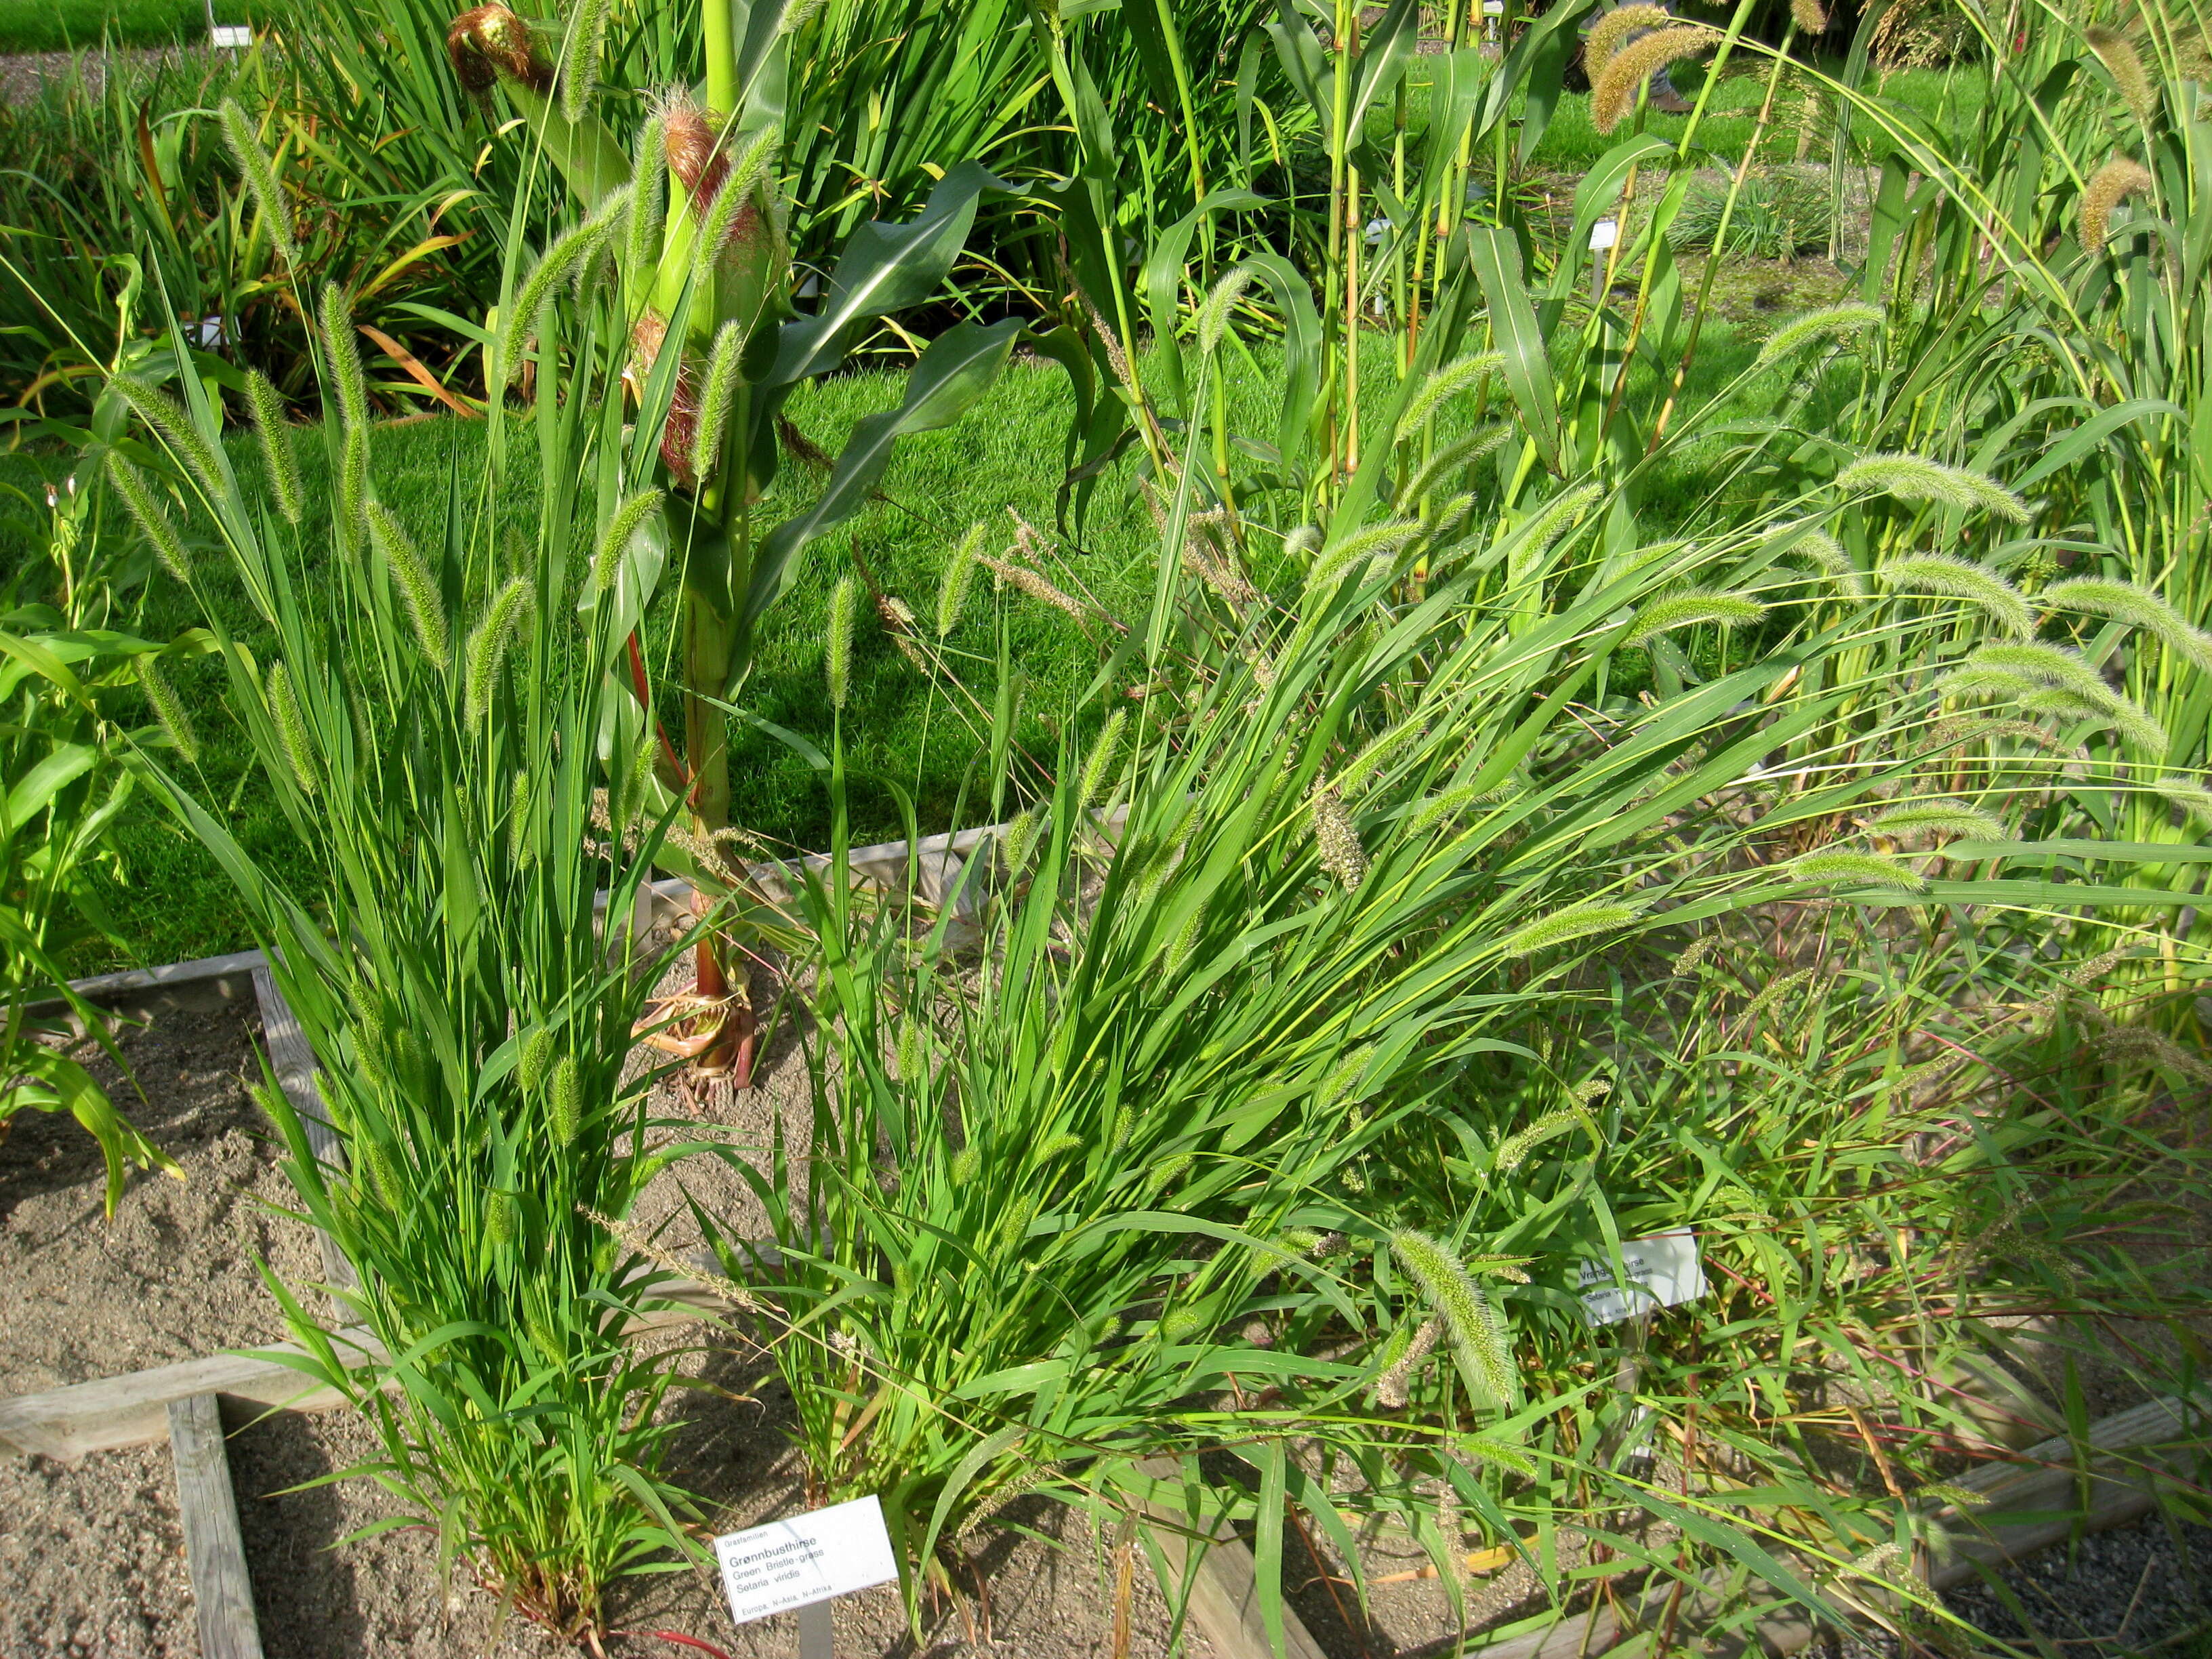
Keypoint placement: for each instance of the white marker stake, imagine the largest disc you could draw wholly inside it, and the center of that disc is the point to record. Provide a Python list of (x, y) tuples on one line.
[(798, 1564), (1662, 1271)]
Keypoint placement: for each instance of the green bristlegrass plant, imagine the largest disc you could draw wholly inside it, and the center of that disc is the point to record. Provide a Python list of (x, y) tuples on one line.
[(429, 712), (68, 676), (1058, 1207)]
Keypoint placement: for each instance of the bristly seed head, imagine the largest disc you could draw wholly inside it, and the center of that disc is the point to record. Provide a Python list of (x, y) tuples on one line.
[(2109, 185), (2126, 65), (1335, 837), (1614, 91)]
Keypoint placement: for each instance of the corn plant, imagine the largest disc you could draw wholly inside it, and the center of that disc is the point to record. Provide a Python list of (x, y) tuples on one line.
[(695, 229), (429, 713)]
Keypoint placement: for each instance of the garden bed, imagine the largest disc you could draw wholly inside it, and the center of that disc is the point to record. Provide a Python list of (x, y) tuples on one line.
[(93, 1552)]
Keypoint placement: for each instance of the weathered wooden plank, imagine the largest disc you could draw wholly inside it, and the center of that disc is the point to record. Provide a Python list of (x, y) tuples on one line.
[(131, 1410), (293, 1059), (213, 1548), (1223, 1584), (2129, 1453)]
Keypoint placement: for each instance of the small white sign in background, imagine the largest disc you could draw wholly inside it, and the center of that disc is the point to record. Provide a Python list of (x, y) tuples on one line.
[(1662, 1271), (231, 34), (809, 1558), (1604, 234)]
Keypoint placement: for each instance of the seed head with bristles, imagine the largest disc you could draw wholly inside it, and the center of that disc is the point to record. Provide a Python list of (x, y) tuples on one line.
[(1564, 927), (2126, 65), (716, 397), (2109, 185), (1941, 816), (1448, 461), (1830, 323), (959, 574), (1393, 1388), (260, 176), (344, 352), (1336, 838), (620, 530), (1098, 764), (2138, 607), (721, 226), (1612, 29), (418, 586), (579, 57), (1478, 1335), (1694, 608), (1445, 384), (1809, 16), (1809, 542), (488, 642), (1213, 315), (1360, 549), (168, 709), (1857, 869), (1613, 89), (648, 207), (168, 417), (1915, 478), (291, 722), (1555, 518), (274, 431), (1941, 574), (838, 641), (149, 515), (1031, 583)]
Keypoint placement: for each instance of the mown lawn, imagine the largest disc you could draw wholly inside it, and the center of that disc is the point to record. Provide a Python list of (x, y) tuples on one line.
[(62, 25)]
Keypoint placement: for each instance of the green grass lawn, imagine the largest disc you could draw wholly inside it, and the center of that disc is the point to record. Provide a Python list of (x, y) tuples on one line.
[(39, 26), (907, 733)]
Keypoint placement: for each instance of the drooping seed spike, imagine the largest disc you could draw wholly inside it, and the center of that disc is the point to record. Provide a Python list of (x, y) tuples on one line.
[(959, 574), (273, 430), (614, 542), (565, 1107), (487, 643), (1336, 838), (291, 722), (418, 585), (1444, 385), (1213, 315), (2126, 65), (579, 57), (259, 174), (1942, 575), (1610, 31), (168, 417), (2109, 185), (149, 515), (1829, 323), (1098, 764), (1564, 927), (1613, 89), (1695, 609), (1855, 869), (168, 708), (1477, 1336)]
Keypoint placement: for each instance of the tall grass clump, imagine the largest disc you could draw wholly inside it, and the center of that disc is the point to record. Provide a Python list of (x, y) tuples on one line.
[(429, 710)]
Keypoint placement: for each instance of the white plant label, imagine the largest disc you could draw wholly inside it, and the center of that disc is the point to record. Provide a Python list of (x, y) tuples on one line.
[(807, 1559), (233, 35), (1604, 234), (1663, 1271)]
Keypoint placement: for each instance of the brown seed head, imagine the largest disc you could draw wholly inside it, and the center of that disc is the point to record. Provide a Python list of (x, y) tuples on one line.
[(491, 42), (1613, 94), (2126, 65), (1611, 30), (2109, 185), (1809, 15)]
